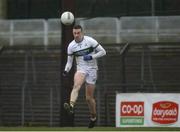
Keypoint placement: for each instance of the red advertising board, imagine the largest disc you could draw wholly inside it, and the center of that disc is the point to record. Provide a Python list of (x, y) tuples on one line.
[(165, 112), (132, 108)]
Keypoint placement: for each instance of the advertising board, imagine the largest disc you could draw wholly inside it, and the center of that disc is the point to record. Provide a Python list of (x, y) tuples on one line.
[(147, 109)]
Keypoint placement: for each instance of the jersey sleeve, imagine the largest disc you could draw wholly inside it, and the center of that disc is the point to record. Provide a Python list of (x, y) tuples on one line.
[(69, 59), (69, 50), (69, 63), (93, 42), (100, 51)]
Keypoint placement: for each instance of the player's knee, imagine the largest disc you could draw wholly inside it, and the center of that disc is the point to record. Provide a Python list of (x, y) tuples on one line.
[(76, 87), (89, 98)]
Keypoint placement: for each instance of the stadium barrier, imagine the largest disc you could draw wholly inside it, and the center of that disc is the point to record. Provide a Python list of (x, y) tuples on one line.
[(104, 29), (147, 110)]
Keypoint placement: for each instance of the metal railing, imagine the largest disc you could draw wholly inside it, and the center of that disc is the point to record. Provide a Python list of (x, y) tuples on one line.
[(105, 30), (30, 81)]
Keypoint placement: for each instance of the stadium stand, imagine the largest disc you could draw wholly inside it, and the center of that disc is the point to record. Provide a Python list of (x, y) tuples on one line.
[(30, 66)]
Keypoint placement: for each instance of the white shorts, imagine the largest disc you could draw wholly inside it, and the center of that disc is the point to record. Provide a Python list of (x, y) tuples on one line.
[(91, 75)]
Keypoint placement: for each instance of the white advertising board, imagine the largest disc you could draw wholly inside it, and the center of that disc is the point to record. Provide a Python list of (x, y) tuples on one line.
[(147, 110)]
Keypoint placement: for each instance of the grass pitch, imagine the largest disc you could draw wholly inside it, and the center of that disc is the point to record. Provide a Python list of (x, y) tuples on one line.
[(99, 129)]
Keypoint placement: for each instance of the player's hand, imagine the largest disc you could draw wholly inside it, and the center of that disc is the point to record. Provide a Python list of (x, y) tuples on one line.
[(65, 73), (87, 57)]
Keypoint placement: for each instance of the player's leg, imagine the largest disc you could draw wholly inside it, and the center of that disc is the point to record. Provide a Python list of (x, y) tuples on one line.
[(91, 103), (79, 79), (90, 99), (90, 88)]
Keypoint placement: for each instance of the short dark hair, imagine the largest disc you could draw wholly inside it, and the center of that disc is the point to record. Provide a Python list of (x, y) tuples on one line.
[(77, 27)]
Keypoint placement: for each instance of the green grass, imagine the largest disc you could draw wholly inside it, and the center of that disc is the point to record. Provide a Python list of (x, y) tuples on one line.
[(86, 129)]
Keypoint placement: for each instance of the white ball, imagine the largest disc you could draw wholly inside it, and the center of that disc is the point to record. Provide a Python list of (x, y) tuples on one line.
[(67, 18)]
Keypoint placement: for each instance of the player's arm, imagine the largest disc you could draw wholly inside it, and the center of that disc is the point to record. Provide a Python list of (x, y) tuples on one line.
[(68, 64), (100, 51), (69, 60)]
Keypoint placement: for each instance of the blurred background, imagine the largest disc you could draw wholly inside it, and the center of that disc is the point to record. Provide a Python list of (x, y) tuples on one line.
[(141, 38)]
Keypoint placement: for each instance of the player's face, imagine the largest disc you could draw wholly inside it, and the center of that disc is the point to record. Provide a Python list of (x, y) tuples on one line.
[(78, 35)]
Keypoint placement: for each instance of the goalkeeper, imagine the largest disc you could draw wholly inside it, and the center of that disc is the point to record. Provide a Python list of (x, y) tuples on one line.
[(86, 50)]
